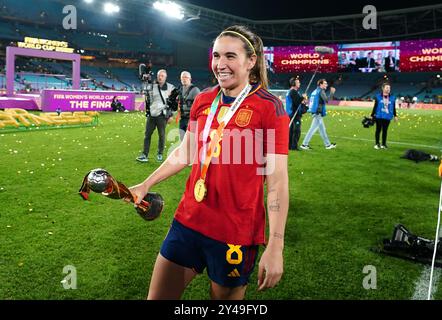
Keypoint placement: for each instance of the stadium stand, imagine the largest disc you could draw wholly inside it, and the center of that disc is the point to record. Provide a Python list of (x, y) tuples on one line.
[(110, 44)]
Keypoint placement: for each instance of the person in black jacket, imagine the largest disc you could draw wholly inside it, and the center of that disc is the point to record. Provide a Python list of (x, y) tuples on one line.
[(353, 63), (188, 93), (390, 62), (117, 106), (296, 106), (369, 62)]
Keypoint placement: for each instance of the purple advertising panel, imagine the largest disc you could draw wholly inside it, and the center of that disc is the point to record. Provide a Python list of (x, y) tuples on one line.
[(300, 59), (27, 102), (79, 100), (421, 55)]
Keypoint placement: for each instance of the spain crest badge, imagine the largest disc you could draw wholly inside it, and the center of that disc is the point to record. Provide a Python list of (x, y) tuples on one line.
[(243, 117)]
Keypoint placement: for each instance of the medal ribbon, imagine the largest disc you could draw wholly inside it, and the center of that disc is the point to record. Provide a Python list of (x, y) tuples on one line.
[(207, 155)]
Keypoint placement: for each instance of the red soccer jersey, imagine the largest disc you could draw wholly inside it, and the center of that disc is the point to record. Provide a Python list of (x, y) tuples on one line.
[(234, 211)]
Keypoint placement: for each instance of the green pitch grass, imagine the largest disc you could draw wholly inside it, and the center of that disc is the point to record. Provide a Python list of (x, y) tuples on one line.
[(343, 202)]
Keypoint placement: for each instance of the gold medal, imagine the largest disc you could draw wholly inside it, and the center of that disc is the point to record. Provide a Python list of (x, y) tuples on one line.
[(200, 190)]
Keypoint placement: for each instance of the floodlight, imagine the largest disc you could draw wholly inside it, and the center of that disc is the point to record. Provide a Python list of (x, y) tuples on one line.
[(170, 9), (111, 8)]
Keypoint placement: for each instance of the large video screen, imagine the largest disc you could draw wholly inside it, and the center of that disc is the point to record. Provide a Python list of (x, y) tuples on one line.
[(299, 59), (390, 56), (421, 55), (369, 57)]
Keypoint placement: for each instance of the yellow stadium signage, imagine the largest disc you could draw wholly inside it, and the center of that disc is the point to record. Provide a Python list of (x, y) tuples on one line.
[(44, 44), (16, 118)]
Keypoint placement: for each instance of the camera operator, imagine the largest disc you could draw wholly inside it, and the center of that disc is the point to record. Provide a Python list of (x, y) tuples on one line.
[(145, 75), (158, 114), (187, 94)]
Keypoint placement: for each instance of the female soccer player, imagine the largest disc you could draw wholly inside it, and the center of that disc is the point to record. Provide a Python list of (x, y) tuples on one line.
[(236, 141)]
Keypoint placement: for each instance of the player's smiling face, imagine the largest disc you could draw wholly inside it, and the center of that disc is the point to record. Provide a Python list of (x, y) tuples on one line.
[(230, 64)]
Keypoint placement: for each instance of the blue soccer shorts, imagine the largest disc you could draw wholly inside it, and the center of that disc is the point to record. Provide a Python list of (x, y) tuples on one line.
[(227, 264)]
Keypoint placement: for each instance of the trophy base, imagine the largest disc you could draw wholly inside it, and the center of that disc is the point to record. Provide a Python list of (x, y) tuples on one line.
[(155, 206)]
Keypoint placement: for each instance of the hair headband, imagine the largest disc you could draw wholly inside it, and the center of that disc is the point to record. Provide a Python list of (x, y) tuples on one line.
[(242, 36)]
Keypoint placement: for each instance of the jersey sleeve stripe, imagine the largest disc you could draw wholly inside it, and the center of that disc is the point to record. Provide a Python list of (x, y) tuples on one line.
[(271, 96), (277, 104)]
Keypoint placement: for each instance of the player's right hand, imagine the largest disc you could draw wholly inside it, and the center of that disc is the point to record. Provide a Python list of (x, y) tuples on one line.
[(139, 191)]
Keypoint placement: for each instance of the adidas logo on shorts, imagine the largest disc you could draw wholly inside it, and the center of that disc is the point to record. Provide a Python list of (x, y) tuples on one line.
[(234, 273)]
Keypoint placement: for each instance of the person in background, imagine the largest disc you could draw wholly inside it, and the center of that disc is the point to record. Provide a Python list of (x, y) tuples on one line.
[(384, 110), (390, 62), (379, 62), (117, 106), (188, 93), (295, 107), (353, 63), (157, 116), (343, 62), (369, 61), (317, 107)]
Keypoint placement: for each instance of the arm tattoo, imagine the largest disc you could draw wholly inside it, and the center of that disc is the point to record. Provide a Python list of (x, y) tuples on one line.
[(274, 205), (278, 235)]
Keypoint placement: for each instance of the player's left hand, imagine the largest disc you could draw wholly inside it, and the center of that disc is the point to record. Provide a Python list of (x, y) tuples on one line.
[(270, 268)]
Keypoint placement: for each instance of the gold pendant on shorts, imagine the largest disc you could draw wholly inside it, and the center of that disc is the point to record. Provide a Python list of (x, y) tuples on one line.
[(200, 190)]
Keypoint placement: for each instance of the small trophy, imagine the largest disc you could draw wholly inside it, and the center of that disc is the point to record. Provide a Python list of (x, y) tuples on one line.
[(100, 181)]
